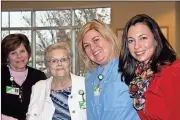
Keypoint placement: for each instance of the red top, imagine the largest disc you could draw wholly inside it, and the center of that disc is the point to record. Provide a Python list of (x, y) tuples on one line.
[(163, 95)]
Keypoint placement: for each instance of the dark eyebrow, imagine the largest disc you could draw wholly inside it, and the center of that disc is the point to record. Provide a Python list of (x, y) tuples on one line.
[(130, 37), (138, 36), (141, 35)]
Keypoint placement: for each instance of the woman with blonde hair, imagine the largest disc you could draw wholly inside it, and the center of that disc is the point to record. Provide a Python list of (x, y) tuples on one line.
[(107, 96)]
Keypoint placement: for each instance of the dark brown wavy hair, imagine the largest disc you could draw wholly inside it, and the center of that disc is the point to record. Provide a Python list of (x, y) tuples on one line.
[(11, 42), (164, 52)]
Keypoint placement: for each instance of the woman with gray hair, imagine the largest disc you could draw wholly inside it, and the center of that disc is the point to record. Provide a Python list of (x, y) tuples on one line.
[(60, 97)]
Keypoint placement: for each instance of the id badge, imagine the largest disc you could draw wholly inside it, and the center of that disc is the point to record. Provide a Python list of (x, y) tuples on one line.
[(82, 104), (12, 90)]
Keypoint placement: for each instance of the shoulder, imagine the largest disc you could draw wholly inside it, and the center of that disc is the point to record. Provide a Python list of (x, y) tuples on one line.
[(90, 75), (176, 63), (78, 82), (169, 73), (34, 70), (42, 83), (73, 76), (36, 74), (92, 72), (173, 68), (4, 67)]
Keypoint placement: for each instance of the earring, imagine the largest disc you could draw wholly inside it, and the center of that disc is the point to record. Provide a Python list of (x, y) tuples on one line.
[(7, 60)]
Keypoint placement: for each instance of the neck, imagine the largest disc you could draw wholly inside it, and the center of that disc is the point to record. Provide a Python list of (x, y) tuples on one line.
[(111, 58), (59, 83), (17, 70)]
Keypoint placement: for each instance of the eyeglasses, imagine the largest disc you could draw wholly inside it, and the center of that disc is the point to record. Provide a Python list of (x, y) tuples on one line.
[(54, 62)]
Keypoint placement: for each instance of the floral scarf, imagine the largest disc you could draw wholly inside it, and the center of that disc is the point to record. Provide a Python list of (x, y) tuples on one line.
[(140, 84)]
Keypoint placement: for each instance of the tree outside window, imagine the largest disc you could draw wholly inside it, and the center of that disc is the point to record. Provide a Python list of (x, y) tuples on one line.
[(45, 27)]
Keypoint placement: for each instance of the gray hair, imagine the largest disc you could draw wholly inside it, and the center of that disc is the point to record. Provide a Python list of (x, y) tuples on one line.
[(60, 45)]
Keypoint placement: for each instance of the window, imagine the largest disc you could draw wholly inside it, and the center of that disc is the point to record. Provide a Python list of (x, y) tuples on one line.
[(45, 27)]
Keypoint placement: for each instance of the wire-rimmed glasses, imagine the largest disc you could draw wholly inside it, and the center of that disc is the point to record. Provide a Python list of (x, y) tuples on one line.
[(55, 61)]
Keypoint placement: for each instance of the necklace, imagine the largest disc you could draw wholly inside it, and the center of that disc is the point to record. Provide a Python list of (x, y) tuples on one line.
[(97, 88)]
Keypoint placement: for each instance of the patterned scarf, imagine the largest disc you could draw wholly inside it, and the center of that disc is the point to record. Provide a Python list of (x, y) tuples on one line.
[(140, 84)]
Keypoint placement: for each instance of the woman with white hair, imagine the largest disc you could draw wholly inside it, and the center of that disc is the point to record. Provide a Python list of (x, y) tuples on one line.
[(60, 97)]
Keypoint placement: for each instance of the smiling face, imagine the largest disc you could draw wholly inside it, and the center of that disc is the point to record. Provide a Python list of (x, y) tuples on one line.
[(18, 58), (97, 48), (59, 63), (141, 42)]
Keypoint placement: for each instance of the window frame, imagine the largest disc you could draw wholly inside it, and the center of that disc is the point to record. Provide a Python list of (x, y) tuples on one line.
[(33, 28)]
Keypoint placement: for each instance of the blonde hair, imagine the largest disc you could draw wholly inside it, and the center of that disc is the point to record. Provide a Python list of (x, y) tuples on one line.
[(59, 45), (106, 33)]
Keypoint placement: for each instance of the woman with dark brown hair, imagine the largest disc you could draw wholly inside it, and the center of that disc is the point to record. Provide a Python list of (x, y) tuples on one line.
[(16, 77), (150, 67)]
